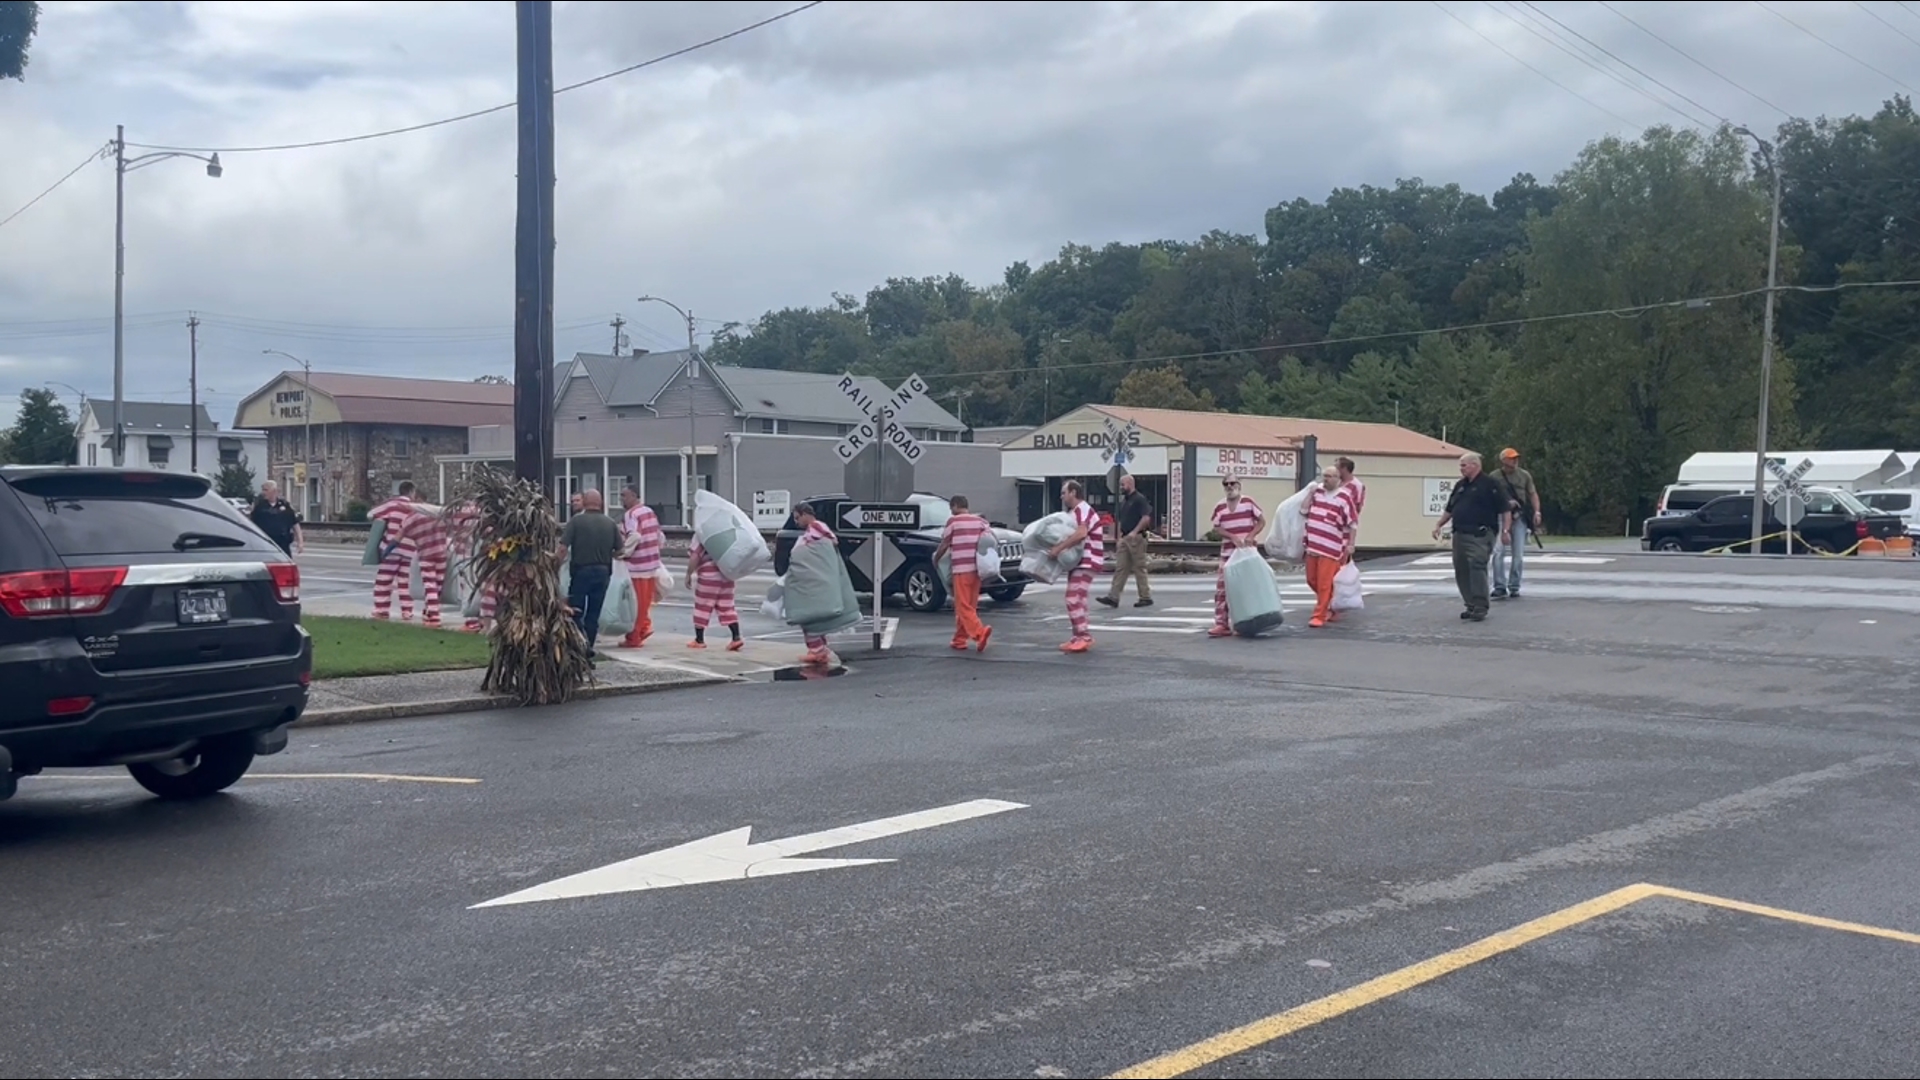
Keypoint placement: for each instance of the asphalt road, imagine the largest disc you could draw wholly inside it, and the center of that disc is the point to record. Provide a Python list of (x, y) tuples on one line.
[(1315, 839)]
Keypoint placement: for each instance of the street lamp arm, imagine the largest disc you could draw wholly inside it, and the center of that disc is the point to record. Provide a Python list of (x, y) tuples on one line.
[(130, 164), (669, 303)]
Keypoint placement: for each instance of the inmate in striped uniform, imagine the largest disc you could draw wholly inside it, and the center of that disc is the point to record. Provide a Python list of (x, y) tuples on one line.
[(817, 533), (964, 534), (1329, 529), (712, 592), (397, 563), (643, 561), (463, 548), (1235, 516), (1080, 578), (427, 532)]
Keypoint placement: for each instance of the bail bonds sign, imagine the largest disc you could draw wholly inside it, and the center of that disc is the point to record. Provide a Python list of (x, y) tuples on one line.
[(1247, 463)]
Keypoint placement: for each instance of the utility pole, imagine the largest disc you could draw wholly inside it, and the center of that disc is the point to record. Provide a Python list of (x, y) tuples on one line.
[(193, 392), (533, 249), (119, 293), (1766, 352), (619, 338)]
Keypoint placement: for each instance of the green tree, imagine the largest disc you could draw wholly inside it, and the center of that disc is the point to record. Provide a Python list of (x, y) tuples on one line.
[(19, 20), (42, 433), (1612, 405), (236, 480), (1161, 388)]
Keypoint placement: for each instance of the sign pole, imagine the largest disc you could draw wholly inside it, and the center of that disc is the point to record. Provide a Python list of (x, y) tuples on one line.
[(879, 566)]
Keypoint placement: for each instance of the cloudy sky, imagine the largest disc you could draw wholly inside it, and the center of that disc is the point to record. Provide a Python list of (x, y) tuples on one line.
[(851, 142)]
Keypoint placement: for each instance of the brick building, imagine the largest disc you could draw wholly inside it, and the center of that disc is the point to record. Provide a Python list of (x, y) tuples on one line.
[(364, 434)]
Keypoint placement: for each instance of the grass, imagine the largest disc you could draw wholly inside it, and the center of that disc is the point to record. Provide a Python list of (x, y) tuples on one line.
[(345, 647)]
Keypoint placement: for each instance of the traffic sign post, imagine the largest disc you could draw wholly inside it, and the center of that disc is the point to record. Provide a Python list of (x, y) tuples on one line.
[(864, 452), (1118, 451), (1788, 498)]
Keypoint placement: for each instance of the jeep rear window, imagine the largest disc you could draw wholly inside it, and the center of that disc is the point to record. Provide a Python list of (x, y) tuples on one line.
[(103, 514)]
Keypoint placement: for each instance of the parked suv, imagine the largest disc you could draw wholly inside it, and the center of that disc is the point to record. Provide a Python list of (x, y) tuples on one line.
[(917, 579), (143, 622), (1835, 521)]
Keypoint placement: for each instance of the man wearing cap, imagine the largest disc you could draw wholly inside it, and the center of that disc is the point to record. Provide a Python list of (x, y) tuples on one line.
[(1523, 499)]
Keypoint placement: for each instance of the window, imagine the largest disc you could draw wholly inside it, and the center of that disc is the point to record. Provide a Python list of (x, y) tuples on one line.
[(401, 446), (774, 427), (843, 429), (229, 451), (93, 453), (95, 514), (159, 450), (1890, 501)]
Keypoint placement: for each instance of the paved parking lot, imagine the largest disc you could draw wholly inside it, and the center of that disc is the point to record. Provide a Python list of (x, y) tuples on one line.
[(1033, 864)]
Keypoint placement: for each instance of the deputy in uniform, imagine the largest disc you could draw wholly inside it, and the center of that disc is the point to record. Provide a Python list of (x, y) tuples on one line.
[(1479, 512)]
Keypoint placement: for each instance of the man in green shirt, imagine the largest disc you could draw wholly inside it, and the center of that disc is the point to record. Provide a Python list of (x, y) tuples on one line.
[(589, 544), (1523, 499)]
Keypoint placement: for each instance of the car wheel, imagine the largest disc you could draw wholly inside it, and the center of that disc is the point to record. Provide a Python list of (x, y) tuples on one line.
[(1006, 594), (213, 766), (1820, 546), (923, 589), (1668, 543)]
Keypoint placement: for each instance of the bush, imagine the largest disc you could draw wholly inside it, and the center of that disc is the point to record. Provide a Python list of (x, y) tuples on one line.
[(357, 510)]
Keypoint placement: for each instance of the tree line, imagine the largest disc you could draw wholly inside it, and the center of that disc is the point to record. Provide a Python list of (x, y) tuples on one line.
[(1607, 323)]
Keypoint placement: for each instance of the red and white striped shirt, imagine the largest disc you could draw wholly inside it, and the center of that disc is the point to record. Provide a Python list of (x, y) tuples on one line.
[(1355, 493), (818, 533), (1243, 519), (394, 512), (1329, 522), (427, 533), (1096, 546), (964, 532), (643, 523)]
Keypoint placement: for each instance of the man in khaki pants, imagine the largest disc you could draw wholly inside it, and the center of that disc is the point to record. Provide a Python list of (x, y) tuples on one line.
[(1132, 518)]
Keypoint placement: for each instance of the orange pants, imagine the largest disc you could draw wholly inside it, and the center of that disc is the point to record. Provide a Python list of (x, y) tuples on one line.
[(966, 609), (1320, 572), (645, 595)]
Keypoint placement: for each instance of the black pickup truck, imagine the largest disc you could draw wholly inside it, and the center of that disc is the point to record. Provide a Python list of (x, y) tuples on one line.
[(917, 579), (1835, 521)]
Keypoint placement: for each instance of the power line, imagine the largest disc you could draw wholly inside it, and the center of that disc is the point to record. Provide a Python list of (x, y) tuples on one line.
[(90, 159), (1884, 22), (411, 128), (1699, 63), (1516, 59), (1682, 96), (1908, 8), (1590, 62), (1829, 44), (1620, 312)]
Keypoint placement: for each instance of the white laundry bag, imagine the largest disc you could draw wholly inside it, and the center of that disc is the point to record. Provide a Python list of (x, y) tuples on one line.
[(1288, 540), (1346, 588)]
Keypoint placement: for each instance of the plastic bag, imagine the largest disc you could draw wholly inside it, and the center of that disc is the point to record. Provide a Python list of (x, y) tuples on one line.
[(776, 602), (1288, 540), (376, 533), (988, 560), (1253, 597), (728, 534), (811, 591), (1346, 588), (1039, 539), (620, 609), (662, 582)]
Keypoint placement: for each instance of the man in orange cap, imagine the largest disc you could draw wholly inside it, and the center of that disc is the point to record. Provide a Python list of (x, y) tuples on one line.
[(1523, 498)]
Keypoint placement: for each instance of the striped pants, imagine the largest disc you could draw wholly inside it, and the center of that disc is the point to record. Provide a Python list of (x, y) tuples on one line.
[(713, 592), (433, 580), (396, 567), (1220, 595), (1079, 588)]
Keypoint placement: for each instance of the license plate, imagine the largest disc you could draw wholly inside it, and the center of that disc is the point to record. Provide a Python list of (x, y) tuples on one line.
[(201, 607)]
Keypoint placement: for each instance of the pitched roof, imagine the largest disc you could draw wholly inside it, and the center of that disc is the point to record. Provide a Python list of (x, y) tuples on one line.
[(1242, 429), (384, 399), (151, 416), (636, 381), (629, 382)]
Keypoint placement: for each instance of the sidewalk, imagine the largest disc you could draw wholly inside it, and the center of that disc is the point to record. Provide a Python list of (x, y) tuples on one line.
[(432, 693)]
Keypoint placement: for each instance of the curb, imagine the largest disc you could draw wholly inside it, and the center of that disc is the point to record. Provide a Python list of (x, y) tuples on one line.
[(360, 714)]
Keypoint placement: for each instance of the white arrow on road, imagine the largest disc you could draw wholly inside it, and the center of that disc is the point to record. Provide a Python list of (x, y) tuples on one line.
[(731, 856)]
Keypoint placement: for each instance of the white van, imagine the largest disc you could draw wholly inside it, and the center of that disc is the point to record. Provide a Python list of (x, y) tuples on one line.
[(1902, 501), (1686, 498)]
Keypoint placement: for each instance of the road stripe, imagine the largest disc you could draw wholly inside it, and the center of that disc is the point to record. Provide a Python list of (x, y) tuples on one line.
[(1790, 916), (378, 778)]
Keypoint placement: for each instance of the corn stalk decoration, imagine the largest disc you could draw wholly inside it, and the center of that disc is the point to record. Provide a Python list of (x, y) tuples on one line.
[(539, 654)]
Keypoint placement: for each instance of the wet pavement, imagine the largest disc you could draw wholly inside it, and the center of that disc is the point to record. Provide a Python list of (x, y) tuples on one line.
[(1023, 863)]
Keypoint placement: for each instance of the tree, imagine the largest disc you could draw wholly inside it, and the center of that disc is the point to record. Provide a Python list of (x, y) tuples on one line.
[(493, 380), (1161, 388), (236, 480), (43, 432), (19, 20)]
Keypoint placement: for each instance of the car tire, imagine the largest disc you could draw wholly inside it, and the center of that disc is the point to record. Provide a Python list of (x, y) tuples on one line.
[(1007, 594), (1668, 543), (922, 588), (210, 768), (1820, 546)]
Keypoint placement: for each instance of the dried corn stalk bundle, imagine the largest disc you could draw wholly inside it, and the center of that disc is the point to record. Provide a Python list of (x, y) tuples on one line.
[(539, 654)]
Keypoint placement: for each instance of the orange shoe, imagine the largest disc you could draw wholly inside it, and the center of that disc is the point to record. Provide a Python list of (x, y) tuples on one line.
[(1220, 631), (631, 642), (696, 644), (816, 656), (985, 633), (959, 644), (736, 645), (1077, 645), (1316, 622)]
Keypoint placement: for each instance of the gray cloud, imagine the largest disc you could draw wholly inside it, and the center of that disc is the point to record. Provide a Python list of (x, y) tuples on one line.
[(851, 143)]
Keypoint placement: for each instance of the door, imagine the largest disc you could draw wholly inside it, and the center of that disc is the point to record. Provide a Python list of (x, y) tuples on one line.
[(1721, 522)]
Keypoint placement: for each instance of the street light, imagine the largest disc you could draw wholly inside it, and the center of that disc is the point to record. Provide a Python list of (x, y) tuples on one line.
[(122, 165), (306, 417), (693, 434), (1766, 345), (82, 395)]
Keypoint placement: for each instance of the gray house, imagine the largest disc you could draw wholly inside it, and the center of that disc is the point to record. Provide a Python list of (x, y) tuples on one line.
[(622, 420)]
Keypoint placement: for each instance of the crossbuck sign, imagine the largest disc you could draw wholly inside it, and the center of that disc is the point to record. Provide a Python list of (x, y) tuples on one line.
[(1789, 489), (1118, 438), (882, 424)]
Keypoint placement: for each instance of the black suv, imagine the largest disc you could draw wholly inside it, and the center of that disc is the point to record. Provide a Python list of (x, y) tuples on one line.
[(917, 579), (1835, 521), (143, 622)]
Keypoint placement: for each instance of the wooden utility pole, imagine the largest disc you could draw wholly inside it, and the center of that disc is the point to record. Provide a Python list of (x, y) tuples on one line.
[(533, 250), (193, 393)]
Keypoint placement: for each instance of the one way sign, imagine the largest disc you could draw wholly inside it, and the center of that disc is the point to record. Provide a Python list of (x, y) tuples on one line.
[(877, 517)]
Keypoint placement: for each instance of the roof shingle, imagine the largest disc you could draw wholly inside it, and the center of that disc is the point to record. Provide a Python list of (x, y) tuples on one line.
[(1242, 429)]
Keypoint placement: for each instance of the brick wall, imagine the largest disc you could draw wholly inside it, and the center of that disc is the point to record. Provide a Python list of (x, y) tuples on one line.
[(348, 451)]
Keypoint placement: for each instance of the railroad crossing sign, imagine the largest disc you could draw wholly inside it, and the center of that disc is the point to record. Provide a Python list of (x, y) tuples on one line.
[(866, 516), (1787, 497), (1119, 441), (882, 425)]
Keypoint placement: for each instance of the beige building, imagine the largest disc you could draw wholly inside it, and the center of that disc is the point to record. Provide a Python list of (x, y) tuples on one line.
[(1178, 459)]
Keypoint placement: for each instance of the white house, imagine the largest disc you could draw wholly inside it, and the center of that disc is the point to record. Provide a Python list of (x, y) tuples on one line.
[(160, 436), (1852, 470)]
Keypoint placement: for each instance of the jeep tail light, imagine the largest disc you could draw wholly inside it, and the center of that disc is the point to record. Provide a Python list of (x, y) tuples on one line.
[(1860, 529), (286, 581), (48, 593)]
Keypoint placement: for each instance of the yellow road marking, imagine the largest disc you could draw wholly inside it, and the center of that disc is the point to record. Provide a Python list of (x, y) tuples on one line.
[(379, 778), (1260, 1032)]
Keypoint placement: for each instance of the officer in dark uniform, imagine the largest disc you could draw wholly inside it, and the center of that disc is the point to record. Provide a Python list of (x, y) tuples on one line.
[(1478, 510)]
